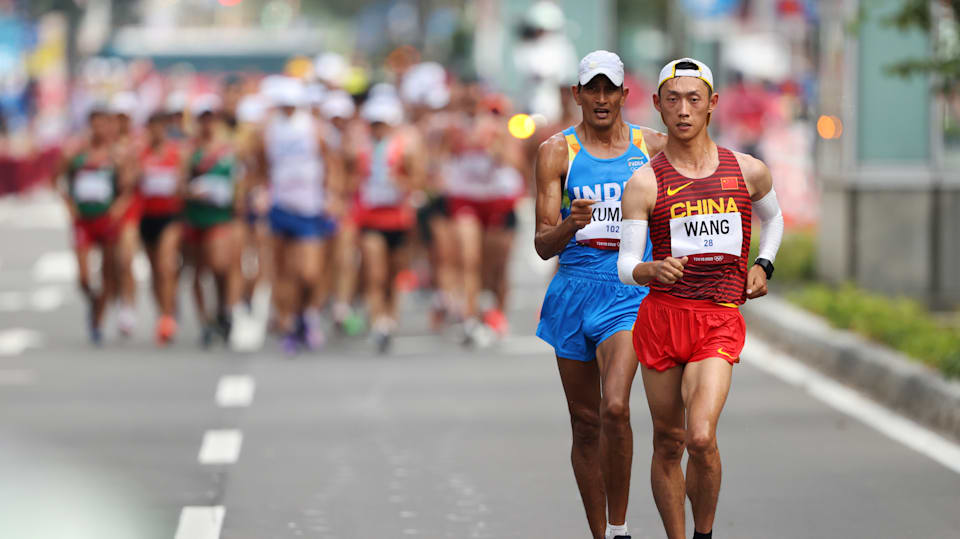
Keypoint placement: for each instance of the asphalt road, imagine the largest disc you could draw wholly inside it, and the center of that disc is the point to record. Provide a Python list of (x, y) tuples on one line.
[(433, 441)]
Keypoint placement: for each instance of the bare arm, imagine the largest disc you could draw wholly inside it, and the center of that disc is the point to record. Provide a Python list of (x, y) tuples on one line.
[(756, 175), (552, 233)]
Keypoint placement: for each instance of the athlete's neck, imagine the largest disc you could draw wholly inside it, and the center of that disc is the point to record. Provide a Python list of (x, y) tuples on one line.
[(697, 156), (614, 136)]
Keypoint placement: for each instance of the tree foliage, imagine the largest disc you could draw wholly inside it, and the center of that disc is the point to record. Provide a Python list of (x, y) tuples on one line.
[(941, 20)]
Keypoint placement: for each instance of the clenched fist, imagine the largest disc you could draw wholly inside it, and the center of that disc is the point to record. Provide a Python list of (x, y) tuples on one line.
[(581, 211), (670, 270), (756, 283)]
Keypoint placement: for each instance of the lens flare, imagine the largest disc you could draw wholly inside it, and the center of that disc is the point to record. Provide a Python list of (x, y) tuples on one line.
[(521, 126), (829, 127)]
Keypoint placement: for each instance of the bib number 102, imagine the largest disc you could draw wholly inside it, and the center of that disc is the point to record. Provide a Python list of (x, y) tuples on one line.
[(613, 228)]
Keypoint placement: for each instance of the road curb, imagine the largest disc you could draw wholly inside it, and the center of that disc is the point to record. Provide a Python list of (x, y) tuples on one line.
[(887, 376)]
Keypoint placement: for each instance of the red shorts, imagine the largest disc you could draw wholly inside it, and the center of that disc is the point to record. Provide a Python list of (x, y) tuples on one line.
[(95, 231), (384, 218), (672, 331), (490, 213)]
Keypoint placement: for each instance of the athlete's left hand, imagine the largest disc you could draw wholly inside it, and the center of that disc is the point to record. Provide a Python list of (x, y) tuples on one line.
[(756, 283)]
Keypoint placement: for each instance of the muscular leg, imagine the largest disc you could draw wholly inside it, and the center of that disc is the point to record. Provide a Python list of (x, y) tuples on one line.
[(581, 385), (399, 260), (309, 256), (108, 286), (470, 237), (617, 363), (704, 388), (284, 285), (127, 245), (375, 274), (164, 263), (220, 248), (666, 475), (346, 258)]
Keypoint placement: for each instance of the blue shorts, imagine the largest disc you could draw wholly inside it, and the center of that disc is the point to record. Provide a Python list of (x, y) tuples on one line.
[(290, 225), (584, 308)]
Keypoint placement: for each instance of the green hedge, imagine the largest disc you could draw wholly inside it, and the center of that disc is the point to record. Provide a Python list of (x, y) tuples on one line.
[(903, 324), (796, 259)]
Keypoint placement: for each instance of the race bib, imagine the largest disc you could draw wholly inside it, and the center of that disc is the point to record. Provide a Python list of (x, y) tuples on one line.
[(603, 232), (93, 186), (214, 189), (715, 238), (159, 182)]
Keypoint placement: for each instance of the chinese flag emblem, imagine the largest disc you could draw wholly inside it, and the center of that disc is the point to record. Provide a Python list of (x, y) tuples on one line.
[(729, 183)]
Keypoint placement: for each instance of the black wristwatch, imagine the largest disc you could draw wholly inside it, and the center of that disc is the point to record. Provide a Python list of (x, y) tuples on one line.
[(766, 265)]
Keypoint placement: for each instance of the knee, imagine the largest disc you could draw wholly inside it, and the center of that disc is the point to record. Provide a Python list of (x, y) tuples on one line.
[(586, 428), (668, 444), (615, 411), (701, 441)]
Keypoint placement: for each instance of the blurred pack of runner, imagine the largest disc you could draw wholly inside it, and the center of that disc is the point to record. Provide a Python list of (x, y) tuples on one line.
[(333, 205)]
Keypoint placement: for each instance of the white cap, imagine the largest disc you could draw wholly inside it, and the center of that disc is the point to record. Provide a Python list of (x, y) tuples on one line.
[(205, 103), (124, 103), (290, 94), (388, 110), (338, 104), (701, 72), (251, 109), (331, 68), (421, 82), (601, 63), (176, 102)]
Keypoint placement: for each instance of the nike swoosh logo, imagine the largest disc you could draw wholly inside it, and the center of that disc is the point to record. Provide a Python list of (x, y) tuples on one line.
[(720, 351), (671, 191)]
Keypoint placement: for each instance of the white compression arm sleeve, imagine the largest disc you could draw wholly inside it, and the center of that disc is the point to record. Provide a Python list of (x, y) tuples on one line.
[(768, 210), (633, 241)]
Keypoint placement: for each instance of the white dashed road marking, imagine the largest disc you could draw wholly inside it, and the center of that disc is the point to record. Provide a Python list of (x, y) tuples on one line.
[(46, 299), (14, 341), (220, 446), (200, 522), (55, 267), (235, 391), (760, 355)]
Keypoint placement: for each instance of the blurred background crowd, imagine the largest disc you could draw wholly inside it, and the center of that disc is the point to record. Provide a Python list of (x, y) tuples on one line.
[(844, 100)]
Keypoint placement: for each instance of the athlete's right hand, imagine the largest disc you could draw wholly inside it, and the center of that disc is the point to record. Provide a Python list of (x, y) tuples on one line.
[(581, 211), (670, 270)]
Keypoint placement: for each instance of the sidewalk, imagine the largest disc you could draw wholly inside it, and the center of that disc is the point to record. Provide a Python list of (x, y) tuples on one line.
[(875, 370)]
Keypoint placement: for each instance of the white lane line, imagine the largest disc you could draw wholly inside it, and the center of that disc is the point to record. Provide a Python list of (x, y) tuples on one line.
[(235, 391), (55, 267), (220, 446), (46, 299), (15, 340), (200, 522), (17, 377), (909, 433)]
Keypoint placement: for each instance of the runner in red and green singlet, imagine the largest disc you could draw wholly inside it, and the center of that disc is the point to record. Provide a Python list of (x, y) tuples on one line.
[(96, 189), (212, 197)]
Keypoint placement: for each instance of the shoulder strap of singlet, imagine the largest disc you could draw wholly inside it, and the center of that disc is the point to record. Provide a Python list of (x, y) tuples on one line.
[(573, 148), (638, 140)]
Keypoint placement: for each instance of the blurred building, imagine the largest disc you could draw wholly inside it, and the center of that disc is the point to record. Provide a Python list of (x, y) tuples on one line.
[(886, 159)]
